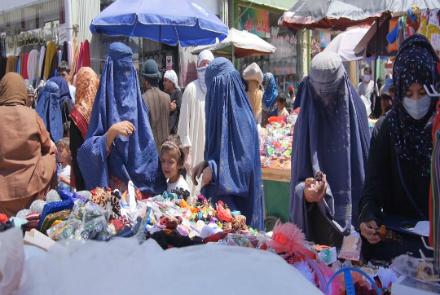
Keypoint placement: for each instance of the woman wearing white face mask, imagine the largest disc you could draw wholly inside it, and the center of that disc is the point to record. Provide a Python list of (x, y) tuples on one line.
[(397, 181)]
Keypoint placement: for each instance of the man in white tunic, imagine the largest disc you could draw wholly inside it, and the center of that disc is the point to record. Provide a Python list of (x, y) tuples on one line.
[(191, 128)]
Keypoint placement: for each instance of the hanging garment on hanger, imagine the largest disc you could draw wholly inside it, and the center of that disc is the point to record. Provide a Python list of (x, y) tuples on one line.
[(3, 62), (24, 68), (51, 51), (70, 55), (65, 52), (18, 65), (40, 70), (32, 66), (86, 55)]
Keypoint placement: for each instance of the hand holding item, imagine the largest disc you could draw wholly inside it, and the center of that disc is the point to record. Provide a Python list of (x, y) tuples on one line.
[(206, 176), (198, 170), (124, 128), (369, 230), (173, 106), (315, 188)]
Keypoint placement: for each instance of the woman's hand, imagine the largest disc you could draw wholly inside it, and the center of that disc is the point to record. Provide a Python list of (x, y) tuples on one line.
[(198, 170), (314, 190), (206, 176), (173, 106), (369, 231), (124, 128)]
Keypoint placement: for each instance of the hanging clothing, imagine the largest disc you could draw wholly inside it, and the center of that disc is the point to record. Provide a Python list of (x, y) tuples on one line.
[(87, 83), (49, 109), (398, 171), (41, 63), (132, 158), (50, 54), (191, 127), (3, 65), (27, 165), (158, 105), (331, 135), (269, 97), (232, 144), (32, 66), (24, 67)]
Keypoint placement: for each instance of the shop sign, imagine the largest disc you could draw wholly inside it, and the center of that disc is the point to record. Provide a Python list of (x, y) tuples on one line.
[(255, 20)]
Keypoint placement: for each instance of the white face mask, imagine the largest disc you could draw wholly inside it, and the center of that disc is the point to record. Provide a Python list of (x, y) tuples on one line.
[(201, 76), (367, 78), (417, 108)]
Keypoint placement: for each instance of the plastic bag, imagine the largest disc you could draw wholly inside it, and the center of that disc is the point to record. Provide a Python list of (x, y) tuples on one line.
[(11, 261)]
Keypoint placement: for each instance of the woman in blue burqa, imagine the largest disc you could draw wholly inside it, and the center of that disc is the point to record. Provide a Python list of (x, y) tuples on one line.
[(49, 109), (269, 98), (330, 149), (231, 170), (119, 146)]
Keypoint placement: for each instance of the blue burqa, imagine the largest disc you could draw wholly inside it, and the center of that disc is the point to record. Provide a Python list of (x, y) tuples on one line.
[(270, 94), (132, 158), (64, 91), (232, 144), (331, 135), (49, 108)]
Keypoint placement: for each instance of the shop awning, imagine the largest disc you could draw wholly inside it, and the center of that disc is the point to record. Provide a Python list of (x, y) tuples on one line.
[(344, 43), (243, 43), (341, 14), (331, 14), (278, 4)]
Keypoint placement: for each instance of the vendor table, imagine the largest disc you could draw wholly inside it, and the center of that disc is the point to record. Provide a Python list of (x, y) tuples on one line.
[(277, 194)]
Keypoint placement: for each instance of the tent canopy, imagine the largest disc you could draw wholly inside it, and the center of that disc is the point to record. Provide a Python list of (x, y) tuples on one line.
[(243, 43), (181, 22), (341, 14)]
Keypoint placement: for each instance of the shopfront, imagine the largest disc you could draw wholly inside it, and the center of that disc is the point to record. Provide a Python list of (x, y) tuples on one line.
[(262, 20)]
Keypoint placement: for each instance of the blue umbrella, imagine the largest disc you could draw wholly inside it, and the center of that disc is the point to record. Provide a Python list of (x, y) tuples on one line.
[(165, 21)]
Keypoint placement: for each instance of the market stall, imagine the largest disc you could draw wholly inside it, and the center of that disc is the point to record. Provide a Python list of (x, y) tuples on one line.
[(276, 150), (166, 243)]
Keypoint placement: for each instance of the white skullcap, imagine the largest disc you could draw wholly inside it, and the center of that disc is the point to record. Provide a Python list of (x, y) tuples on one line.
[(205, 55), (172, 76), (253, 72)]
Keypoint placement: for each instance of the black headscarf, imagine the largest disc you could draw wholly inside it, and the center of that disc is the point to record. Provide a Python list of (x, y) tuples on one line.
[(416, 62)]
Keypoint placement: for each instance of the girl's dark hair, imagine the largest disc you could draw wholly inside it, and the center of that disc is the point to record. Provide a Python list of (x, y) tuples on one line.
[(172, 144), (282, 98)]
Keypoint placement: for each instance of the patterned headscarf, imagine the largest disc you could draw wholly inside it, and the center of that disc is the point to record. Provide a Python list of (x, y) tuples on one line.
[(416, 62), (87, 83)]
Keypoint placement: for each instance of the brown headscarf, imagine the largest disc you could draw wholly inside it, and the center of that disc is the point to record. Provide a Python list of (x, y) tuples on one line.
[(87, 83), (12, 90)]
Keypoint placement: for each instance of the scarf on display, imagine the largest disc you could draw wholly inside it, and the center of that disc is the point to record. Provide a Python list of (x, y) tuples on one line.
[(87, 83), (331, 135), (415, 62), (270, 93), (232, 140), (119, 99), (12, 90)]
